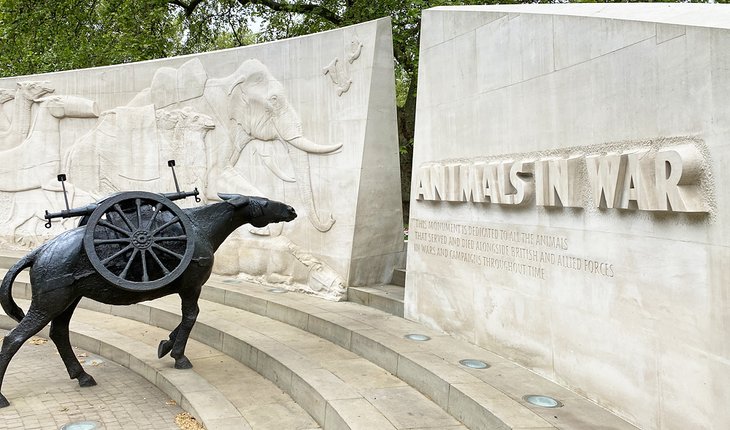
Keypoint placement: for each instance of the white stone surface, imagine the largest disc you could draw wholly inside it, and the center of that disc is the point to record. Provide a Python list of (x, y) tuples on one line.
[(259, 120), (629, 307)]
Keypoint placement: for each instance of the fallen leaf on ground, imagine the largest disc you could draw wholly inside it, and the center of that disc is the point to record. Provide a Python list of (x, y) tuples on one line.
[(186, 422), (37, 340), (171, 403)]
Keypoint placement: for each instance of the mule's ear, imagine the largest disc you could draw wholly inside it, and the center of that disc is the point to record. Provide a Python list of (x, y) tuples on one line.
[(237, 200), (226, 197)]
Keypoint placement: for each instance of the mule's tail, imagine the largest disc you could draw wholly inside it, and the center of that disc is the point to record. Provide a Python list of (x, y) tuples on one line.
[(6, 288)]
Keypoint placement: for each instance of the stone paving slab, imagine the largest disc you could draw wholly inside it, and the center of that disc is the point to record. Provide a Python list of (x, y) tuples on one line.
[(43, 397), (220, 391)]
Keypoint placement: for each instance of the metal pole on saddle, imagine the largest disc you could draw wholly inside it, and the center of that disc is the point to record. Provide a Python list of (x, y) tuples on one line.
[(171, 163), (68, 213), (179, 194), (62, 180)]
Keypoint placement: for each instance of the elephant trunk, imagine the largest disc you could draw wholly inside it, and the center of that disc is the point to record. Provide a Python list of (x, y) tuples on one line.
[(301, 164)]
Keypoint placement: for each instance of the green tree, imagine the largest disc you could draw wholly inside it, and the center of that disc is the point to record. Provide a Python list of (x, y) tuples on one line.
[(68, 34)]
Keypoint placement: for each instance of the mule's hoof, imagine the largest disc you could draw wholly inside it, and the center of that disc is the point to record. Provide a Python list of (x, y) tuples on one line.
[(4, 402), (86, 380), (164, 348), (183, 363)]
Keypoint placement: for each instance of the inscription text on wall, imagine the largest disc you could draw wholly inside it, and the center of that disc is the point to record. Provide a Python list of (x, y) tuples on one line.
[(663, 180)]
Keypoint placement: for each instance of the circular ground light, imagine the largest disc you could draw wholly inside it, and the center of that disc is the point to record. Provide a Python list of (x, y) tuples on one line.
[(278, 290), (542, 401), (417, 337), (82, 425), (473, 364)]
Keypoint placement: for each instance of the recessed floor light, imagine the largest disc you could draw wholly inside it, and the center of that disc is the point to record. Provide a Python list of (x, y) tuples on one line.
[(473, 364), (417, 337), (278, 290), (542, 401), (82, 425)]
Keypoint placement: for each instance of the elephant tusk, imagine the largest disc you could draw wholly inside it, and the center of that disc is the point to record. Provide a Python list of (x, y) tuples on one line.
[(310, 147), (304, 181), (275, 169)]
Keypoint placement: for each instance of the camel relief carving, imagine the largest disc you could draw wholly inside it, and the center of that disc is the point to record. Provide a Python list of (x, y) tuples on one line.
[(27, 93), (36, 161), (5, 96)]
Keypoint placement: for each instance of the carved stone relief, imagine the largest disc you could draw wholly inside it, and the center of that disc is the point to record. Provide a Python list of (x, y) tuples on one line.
[(26, 93), (36, 161), (258, 109), (286, 265), (126, 148), (339, 72)]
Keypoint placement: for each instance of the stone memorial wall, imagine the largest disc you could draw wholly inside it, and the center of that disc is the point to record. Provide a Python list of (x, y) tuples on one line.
[(568, 207), (309, 121)]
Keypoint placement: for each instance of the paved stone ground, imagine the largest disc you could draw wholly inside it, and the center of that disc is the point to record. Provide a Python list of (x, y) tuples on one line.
[(43, 397)]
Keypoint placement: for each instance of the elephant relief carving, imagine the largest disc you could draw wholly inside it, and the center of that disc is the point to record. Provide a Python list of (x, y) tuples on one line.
[(258, 109)]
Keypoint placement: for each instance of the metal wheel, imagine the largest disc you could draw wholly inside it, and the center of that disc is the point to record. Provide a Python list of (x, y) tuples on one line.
[(139, 241)]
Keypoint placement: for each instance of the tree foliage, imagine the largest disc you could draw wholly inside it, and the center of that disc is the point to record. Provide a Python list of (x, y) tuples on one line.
[(38, 37)]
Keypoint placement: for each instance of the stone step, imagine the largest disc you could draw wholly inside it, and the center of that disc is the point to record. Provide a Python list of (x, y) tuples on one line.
[(8, 258), (399, 277), (479, 398), (490, 398), (339, 389), (211, 391), (387, 298)]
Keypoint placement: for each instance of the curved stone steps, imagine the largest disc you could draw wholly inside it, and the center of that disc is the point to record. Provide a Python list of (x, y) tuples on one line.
[(220, 391), (339, 389), (489, 398), (387, 298)]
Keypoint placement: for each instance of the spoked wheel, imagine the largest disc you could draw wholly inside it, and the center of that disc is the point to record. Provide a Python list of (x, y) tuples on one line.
[(139, 241)]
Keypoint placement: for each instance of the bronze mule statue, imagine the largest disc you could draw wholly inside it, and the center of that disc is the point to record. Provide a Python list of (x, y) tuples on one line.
[(62, 272)]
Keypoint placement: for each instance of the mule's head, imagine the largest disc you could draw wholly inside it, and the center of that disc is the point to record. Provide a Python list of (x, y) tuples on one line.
[(258, 211)]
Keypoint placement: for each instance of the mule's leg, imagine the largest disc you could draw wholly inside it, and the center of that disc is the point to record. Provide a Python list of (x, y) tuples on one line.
[(33, 322), (59, 336), (190, 312), (166, 345)]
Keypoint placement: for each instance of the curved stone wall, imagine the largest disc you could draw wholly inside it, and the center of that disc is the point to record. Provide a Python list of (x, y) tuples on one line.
[(568, 207), (310, 121)]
